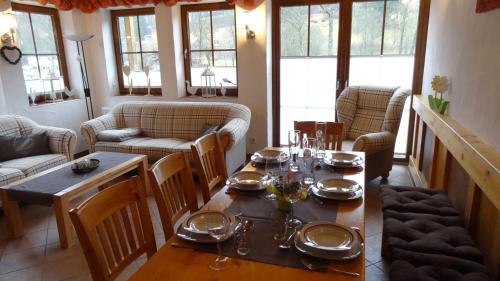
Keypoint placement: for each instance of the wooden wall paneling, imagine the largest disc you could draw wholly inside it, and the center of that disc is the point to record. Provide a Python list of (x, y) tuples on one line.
[(472, 206), (458, 185), (487, 233), (480, 160), (440, 165), (416, 136), (427, 151), (421, 144)]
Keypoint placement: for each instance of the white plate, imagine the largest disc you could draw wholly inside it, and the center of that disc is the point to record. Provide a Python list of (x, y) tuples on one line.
[(328, 240), (342, 159), (189, 235), (248, 180), (199, 222), (338, 186), (270, 156), (338, 196)]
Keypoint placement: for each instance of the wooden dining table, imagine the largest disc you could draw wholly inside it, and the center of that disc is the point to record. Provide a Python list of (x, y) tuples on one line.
[(172, 262)]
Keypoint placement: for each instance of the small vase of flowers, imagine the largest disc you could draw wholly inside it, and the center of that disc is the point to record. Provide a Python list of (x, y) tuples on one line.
[(440, 85)]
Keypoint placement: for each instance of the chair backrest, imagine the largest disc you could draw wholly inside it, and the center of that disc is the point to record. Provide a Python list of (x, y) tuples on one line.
[(305, 127), (114, 228), (334, 134), (210, 164), (173, 187), (365, 110)]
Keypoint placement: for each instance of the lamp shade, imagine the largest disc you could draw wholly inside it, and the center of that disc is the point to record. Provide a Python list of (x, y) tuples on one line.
[(79, 37)]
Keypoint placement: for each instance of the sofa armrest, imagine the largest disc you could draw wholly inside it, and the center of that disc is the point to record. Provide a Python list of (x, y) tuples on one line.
[(233, 132), (91, 128), (61, 140), (374, 142)]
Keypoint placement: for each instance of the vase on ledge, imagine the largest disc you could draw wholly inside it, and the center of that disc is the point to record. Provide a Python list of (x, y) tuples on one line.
[(439, 105)]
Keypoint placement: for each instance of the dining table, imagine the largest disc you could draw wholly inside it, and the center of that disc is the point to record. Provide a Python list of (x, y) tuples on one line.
[(173, 261)]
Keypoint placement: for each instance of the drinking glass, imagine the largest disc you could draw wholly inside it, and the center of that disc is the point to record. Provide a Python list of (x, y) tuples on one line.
[(320, 139), (309, 157), (273, 177), (218, 228), (292, 193)]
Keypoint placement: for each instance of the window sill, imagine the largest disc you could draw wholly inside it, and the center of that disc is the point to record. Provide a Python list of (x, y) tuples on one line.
[(217, 98), (45, 104)]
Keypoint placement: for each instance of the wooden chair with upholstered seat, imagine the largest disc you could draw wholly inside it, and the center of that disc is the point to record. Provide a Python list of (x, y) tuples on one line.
[(114, 228), (210, 164), (173, 188), (305, 127), (333, 132)]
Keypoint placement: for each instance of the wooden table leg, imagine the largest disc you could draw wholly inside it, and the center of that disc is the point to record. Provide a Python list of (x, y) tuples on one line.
[(64, 226), (12, 215), (142, 171)]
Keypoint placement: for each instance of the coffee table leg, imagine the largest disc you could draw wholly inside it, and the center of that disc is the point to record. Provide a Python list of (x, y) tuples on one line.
[(12, 215), (64, 226)]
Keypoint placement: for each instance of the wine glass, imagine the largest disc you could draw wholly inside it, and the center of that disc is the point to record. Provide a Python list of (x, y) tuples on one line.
[(293, 145), (292, 193), (320, 139), (272, 179), (218, 228)]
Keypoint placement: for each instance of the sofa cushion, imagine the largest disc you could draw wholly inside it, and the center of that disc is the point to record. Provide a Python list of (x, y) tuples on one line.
[(123, 147), (12, 147), (405, 271), (35, 164), (366, 121), (156, 149), (9, 175), (118, 135), (417, 200), (9, 126)]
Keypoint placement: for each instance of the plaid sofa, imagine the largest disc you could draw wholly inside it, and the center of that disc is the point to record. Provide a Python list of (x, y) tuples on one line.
[(371, 117), (62, 144), (169, 127)]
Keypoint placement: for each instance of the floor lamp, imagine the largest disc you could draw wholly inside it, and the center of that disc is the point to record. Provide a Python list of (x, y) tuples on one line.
[(79, 39)]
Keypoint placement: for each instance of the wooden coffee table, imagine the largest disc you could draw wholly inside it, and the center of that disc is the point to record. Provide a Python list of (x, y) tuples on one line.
[(59, 185)]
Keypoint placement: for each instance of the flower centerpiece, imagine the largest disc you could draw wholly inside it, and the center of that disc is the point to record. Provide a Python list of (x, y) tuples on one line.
[(126, 71), (440, 85), (289, 184)]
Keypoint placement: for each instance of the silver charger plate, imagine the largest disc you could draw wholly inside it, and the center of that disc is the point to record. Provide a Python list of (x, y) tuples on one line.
[(186, 233), (248, 180), (338, 189), (329, 241), (270, 156), (342, 160)]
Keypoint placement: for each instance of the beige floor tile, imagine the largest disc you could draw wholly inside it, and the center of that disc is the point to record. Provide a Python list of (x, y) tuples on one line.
[(53, 252), (82, 277), (22, 259), (66, 268), (28, 274), (27, 241), (373, 273)]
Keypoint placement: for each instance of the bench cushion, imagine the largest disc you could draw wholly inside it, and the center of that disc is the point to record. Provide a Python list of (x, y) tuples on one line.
[(417, 200), (405, 271)]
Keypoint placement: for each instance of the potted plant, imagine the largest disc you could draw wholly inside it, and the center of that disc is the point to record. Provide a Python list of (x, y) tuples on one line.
[(440, 85)]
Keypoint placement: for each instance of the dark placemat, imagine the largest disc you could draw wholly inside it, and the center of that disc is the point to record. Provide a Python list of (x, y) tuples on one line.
[(262, 247), (257, 206), (41, 189)]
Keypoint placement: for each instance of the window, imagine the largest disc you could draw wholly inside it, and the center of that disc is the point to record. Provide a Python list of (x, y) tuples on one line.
[(136, 46), (209, 37), (43, 61)]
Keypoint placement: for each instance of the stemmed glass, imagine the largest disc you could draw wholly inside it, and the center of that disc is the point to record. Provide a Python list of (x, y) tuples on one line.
[(275, 173), (218, 228), (320, 139), (292, 193), (293, 144)]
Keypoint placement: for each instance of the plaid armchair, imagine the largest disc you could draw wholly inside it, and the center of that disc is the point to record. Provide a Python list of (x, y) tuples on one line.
[(371, 117)]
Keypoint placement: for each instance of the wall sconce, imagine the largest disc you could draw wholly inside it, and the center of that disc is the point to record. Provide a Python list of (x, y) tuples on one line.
[(247, 20)]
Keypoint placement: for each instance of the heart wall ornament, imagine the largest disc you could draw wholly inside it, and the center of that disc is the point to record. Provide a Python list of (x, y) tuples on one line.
[(11, 54)]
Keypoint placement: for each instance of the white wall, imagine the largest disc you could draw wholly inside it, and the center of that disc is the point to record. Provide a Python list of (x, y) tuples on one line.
[(254, 84), (465, 46)]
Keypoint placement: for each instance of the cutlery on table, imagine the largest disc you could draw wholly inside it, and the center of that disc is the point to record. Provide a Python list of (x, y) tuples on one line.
[(326, 268)]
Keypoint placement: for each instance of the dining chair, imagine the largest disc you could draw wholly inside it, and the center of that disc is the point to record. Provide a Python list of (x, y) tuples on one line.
[(114, 228), (210, 163), (334, 134), (173, 188)]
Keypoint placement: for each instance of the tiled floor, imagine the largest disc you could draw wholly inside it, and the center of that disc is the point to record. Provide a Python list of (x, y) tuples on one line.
[(37, 256)]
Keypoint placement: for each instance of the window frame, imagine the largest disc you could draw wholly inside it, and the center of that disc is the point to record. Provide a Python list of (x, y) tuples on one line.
[(185, 9), (56, 27), (115, 14)]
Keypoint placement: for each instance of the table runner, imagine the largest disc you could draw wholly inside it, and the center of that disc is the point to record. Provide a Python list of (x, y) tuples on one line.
[(40, 190)]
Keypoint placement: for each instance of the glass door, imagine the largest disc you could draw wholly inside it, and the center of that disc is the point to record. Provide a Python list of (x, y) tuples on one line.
[(308, 39), (382, 50)]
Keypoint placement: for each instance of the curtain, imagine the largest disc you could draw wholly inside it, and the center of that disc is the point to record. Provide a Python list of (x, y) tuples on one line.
[(487, 5), (89, 6)]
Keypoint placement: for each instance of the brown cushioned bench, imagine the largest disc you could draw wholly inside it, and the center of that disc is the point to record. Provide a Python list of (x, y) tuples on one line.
[(424, 237)]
